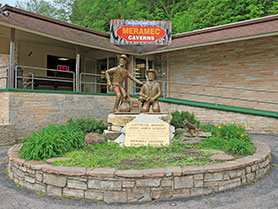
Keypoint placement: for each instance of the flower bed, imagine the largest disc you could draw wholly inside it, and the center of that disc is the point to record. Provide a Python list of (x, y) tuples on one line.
[(111, 185)]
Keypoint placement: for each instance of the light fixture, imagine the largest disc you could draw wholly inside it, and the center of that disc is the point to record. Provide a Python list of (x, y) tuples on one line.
[(63, 58)]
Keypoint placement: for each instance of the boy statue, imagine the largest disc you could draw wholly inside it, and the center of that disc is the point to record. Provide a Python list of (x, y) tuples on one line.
[(150, 92), (120, 74)]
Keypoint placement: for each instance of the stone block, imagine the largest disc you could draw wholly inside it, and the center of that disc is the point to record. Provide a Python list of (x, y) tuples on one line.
[(112, 197), (94, 195), (162, 195), (248, 169), (235, 173), (260, 173), (129, 173), (35, 187), (52, 190), (188, 170), (183, 182), (112, 135), (105, 185), (213, 176), (55, 180), (167, 183), (139, 195), (101, 172), (250, 177), (77, 184), (198, 176), (128, 184), (63, 170), (73, 193), (229, 184), (155, 172), (175, 171), (198, 183), (30, 179), (148, 183), (181, 193), (39, 176)]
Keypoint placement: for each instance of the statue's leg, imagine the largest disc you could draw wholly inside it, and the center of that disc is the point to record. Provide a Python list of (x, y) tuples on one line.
[(146, 107), (118, 99), (155, 106)]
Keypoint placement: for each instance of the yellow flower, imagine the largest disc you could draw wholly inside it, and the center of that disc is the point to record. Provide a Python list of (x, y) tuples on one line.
[(242, 135), (244, 125), (219, 126)]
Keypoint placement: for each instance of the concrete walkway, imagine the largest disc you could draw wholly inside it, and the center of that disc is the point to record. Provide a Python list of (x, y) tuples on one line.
[(261, 195)]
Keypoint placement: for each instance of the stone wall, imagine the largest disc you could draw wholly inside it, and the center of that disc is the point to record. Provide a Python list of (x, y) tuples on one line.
[(111, 185), (4, 61), (248, 64), (22, 113)]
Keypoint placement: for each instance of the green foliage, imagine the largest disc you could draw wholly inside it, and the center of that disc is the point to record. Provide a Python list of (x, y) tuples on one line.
[(54, 141), (179, 117), (186, 15), (112, 155), (88, 125), (231, 138)]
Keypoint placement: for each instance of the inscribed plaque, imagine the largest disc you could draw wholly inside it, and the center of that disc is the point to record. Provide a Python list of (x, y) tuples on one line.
[(147, 134)]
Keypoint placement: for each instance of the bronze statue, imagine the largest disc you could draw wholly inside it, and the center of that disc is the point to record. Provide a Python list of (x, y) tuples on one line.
[(150, 92), (120, 74)]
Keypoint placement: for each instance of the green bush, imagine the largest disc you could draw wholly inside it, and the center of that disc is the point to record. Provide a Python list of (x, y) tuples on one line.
[(54, 141), (231, 138), (179, 117), (88, 125)]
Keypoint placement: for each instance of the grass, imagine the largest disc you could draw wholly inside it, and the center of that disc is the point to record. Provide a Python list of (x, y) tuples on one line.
[(112, 155)]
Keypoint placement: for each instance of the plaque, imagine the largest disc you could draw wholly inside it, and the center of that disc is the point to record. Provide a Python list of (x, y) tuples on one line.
[(147, 134)]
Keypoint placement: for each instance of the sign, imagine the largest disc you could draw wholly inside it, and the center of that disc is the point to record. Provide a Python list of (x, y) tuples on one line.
[(140, 32), (63, 67), (147, 134)]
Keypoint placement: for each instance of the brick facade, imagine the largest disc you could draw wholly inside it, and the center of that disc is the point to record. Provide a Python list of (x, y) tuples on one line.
[(248, 64), (24, 112), (4, 61)]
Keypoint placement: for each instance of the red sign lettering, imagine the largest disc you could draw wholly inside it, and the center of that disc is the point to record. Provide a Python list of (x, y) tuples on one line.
[(63, 67)]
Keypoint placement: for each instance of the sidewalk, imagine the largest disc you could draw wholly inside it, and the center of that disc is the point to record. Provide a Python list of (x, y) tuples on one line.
[(261, 195)]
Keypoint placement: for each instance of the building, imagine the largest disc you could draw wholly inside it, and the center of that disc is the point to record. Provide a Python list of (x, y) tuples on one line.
[(231, 67)]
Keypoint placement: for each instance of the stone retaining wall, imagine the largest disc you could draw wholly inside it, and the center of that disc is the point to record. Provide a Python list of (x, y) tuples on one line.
[(22, 113), (111, 185)]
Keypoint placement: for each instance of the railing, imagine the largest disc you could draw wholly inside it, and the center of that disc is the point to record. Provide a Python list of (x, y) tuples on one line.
[(219, 95), (35, 79), (93, 76)]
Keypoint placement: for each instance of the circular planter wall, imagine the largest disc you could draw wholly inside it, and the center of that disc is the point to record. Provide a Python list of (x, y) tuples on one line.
[(111, 185)]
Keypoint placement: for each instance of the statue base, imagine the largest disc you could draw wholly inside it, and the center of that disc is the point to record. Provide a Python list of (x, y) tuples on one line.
[(121, 119)]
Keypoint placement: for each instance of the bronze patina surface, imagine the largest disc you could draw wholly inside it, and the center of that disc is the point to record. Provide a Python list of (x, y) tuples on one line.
[(150, 92), (120, 74)]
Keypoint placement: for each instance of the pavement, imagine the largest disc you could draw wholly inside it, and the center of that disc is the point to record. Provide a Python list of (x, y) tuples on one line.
[(261, 195)]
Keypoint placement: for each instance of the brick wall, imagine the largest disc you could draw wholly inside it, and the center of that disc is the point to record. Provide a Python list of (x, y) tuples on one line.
[(24, 112), (249, 64), (4, 61)]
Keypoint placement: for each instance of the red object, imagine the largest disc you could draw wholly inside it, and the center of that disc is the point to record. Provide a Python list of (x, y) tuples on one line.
[(63, 67), (141, 33)]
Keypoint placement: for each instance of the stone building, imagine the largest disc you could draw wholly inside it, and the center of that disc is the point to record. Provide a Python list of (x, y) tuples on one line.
[(233, 67)]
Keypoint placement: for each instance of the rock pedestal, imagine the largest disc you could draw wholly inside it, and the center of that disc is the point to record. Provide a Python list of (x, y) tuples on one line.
[(117, 122)]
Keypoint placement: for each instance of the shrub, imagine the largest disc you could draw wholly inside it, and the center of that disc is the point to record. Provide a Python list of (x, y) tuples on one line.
[(231, 138), (88, 125), (179, 117), (54, 141)]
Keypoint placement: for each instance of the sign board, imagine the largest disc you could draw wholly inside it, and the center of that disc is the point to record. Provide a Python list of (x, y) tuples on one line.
[(140, 32), (147, 134), (63, 67)]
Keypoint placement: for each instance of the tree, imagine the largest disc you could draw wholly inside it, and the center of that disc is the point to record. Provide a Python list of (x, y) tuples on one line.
[(59, 9)]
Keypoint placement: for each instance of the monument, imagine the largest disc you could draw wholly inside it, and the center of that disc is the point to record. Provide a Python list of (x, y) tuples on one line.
[(138, 130)]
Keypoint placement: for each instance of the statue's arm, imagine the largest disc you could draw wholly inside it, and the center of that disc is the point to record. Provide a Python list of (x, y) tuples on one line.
[(142, 93), (111, 70), (134, 79)]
